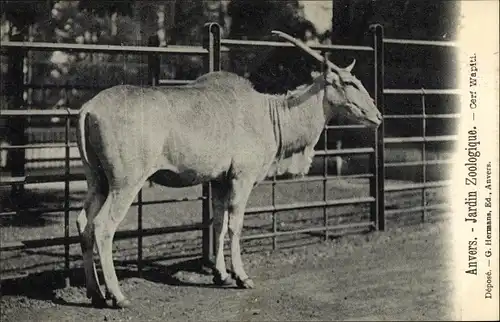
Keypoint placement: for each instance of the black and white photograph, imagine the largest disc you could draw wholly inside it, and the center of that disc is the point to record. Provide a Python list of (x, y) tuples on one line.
[(249, 160)]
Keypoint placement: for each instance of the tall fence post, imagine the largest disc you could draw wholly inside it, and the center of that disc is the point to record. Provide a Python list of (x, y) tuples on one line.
[(67, 173), (212, 44), (16, 158), (377, 210)]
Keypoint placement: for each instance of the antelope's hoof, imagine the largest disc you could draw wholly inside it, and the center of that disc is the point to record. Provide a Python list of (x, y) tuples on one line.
[(99, 302), (122, 304), (247, 283), (222, 282)]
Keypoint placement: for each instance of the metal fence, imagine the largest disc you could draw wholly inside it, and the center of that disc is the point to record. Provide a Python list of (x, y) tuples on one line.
[(211, 50), (424, 139)]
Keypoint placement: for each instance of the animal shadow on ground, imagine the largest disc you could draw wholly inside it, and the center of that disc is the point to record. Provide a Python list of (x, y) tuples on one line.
[(49, 286), (180, 273), (39, 286), (33, 207)]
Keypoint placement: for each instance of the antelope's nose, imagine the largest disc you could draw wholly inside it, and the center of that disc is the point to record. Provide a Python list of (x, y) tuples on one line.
[(375, 118), (380, 118)]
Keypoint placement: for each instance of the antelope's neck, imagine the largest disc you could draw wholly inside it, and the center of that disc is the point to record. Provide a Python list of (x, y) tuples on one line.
[(298, 120)]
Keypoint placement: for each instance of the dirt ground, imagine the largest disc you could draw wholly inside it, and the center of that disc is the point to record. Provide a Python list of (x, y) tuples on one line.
[(400, 274)]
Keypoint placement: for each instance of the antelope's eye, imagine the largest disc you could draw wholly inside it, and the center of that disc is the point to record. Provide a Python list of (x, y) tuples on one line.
[(350, 83)]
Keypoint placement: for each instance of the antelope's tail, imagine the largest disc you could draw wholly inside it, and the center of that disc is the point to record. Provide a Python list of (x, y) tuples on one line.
[(81, 135)]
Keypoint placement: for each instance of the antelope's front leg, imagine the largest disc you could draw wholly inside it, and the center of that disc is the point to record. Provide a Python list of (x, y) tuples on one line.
[(219, 201), (240, 192)]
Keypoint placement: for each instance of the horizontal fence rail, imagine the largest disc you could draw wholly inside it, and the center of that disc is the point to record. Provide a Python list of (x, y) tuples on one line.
[(27, 113), (228, 44), (96, 88), (120, 234), (212, 50), (422, 116), (307, 205), (45, 46), (417, 163), (419, 139), (432, 43), (397, 91)]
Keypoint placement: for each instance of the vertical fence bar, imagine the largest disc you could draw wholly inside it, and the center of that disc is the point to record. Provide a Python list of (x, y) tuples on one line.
[(275, 214), (28, 79), (377, 210), (325, 174), (424, 157), (66, 197), (213, 63), (373, 156), (208, 246), (153, 62), (16, 158), (212, 44), (325, 158), (139, 237)]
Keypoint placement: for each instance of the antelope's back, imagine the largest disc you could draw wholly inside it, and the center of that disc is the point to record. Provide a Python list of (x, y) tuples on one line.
[(215, 115), (211, 99)]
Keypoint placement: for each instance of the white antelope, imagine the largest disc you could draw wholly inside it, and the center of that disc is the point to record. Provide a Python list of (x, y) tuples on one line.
[(216, 129)]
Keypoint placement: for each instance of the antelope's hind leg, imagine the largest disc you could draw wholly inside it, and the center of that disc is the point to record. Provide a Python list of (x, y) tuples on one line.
[(93, 203), (105, 223)]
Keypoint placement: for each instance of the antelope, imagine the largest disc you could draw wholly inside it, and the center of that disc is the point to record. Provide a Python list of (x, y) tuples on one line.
[(216, 129)]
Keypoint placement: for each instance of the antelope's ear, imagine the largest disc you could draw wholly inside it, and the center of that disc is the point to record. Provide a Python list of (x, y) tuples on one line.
[(351, 66), (315, 74)]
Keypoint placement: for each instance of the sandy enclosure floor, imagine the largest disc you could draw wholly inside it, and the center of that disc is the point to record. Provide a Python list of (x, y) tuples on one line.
[(396, 275)]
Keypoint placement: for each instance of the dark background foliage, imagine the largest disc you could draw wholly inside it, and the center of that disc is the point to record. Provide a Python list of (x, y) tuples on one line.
[(132, 22)]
